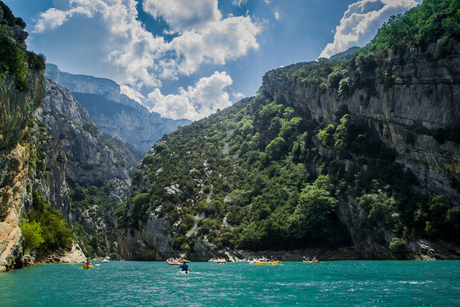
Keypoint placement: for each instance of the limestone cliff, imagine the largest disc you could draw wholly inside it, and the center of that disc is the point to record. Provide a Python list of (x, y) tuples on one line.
[(90, 158), (405, 115), (16, 107), (114, 113)]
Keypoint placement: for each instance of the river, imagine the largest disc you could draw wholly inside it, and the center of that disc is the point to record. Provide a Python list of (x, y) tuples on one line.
[(334, 283)]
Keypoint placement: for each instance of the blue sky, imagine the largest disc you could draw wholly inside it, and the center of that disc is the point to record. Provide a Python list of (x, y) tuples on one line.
[(188, 58)]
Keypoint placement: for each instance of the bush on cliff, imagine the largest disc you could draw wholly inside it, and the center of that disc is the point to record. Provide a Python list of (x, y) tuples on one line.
[(13, 60), (32, 233), (55, 231)]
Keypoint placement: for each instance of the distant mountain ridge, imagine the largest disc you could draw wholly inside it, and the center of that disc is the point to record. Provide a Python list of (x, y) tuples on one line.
[(114, 113)]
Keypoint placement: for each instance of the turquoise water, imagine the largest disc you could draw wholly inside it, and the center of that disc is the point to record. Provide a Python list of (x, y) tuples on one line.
[(338, 283)]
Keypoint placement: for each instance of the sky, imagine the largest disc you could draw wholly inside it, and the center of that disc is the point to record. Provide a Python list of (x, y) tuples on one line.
[(190, 58)]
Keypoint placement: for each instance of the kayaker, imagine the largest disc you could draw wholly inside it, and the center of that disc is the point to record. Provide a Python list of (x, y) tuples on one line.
[(185, 267), (88, 262)]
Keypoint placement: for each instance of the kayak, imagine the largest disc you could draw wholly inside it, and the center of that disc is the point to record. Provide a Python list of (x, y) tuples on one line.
[(267, 262), (316, 261), (87, 267), (184, 272)]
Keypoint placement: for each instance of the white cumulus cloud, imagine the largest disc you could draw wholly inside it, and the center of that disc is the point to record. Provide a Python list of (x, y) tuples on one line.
[(110, 41), (139, 59), (132, 93), (184, 15), (361, 21), (54, 18), (219, 42), (205, 98)]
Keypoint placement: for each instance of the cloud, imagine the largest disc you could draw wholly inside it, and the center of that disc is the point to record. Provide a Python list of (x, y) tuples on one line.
[(239, 2), (205, 98), (238, 95), (131, 93), (109, 38), (219, 42), (361, 21), (135, 57), (277, 15), (54, 18), (184, 15)]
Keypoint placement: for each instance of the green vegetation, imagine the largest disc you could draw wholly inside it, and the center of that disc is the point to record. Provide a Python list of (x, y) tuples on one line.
[(430, 22), (95, 204), (32, 233), (14, 60), (262, 195), (262, 192), (252, 176), (45, 229)]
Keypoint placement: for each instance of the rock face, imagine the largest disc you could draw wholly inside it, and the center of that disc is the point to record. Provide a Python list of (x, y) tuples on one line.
[(150, 242), (427, 98), (90, 158), (15, 108), (83, 83), (405, 116), (114, 113)]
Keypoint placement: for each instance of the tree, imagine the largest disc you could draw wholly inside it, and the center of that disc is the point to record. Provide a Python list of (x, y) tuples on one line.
[(32, 233), (274, 149), (310, 221)]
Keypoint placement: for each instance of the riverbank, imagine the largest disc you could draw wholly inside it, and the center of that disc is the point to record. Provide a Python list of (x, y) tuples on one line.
[(323, 254), (71, 255)]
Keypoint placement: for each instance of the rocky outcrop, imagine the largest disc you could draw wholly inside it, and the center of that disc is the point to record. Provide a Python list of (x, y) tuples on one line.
[(13, 197), (424, 99), (114, 113), (15, 108), (405, 115), (72, 254), (91, 159), (84, 83), (150, 242), (88, 159)]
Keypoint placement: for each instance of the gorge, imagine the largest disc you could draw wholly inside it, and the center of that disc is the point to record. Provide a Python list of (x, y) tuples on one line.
[(357, 156)]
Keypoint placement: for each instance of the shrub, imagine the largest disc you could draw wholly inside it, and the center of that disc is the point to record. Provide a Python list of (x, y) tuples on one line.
[(32, 233), (335, 77), (398, 244)]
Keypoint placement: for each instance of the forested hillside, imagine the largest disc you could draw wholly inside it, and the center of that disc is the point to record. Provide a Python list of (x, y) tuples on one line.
[(282, 170)]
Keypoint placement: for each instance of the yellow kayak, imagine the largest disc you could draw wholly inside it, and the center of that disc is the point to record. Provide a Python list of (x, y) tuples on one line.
[(267, 262), (86, 267)]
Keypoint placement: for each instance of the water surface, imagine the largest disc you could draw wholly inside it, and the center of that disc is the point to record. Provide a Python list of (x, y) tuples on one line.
[(338, 283)]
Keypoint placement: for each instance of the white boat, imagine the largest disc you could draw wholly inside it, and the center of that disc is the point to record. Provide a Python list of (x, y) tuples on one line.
[(253, 260)]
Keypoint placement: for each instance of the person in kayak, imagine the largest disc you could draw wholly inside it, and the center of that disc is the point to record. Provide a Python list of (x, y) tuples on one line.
[(185, 267), (88, 262)]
